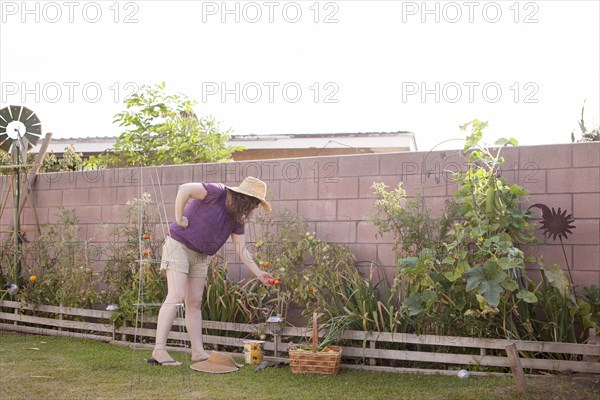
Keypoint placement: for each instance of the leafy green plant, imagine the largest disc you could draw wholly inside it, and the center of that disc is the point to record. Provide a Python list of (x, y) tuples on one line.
[(589, 307), (162, 129), (409, 220), (321, 277), (464, 274), (304, 263), (485, 245), (134, 250), (333, 329), (70, 161), (586, 136), (555, 319), (226, 300), (64, 267)]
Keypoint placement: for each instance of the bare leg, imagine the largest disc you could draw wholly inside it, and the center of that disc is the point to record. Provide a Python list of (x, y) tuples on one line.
[(193, 317), (177, 283)]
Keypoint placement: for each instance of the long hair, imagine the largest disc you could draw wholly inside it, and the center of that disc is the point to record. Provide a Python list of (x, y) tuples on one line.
[(242, 206)]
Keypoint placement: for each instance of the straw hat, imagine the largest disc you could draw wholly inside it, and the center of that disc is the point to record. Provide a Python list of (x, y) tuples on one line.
[(217, 363), (254, 187)]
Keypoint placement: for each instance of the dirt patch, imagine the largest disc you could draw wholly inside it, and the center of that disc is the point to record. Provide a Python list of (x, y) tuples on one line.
[(559, 387)]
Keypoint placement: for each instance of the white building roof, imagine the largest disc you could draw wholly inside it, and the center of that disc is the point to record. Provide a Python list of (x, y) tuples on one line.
[(377, 141)]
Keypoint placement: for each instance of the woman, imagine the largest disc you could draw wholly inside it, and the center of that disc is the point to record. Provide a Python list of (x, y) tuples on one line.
[(215, 213)]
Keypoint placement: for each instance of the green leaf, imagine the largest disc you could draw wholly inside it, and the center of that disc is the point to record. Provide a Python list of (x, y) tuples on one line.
[(408, 262), (429, 298), (494, 239), (458, 272), (474, 277), (510, 284), (504, 142), (474, 156), (527, 296), (508, 263), (414, 304), (472, 140), (557, 278), (417, 302), (486, 281), (518, 190), (448, 261)]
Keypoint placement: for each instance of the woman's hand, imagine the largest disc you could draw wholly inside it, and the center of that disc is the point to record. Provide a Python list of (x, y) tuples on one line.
[(183, 222), (244, 254), (264, 277)]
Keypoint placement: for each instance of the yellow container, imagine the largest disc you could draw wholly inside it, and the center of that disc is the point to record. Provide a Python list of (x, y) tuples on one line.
[(253, 351)]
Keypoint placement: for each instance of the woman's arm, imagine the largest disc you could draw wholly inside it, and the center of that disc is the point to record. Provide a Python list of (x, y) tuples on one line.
[(244, 254), (184, 193)]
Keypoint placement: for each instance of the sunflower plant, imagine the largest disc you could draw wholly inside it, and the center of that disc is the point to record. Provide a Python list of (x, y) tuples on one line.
[(484, 246)]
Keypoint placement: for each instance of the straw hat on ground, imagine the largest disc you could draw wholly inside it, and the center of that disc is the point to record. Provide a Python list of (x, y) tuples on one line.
[(254, 187), (217, 363)]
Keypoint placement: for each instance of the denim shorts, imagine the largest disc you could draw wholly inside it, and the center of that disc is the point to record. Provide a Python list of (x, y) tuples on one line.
[(178, 257)]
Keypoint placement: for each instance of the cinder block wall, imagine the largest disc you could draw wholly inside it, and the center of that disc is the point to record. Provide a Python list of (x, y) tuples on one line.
[(335, 195)]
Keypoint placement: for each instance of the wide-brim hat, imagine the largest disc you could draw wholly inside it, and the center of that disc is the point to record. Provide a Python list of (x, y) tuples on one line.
[(254, 187), (217, 363)]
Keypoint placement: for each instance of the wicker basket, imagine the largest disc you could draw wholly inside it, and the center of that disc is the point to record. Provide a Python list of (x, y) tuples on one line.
[(312, 362)]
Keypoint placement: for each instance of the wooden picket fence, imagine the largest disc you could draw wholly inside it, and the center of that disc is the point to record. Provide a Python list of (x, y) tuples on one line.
[(398, 352)]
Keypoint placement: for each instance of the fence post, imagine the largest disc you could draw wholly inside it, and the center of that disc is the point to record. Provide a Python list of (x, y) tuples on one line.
[(593, 338), (517, 370), (60, 316), (372, 361), (124, 335)]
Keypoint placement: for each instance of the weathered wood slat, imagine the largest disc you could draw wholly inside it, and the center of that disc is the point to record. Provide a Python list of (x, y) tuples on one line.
[(79, 312), (474, 359), (53, 332), (224, 326), (420, 371), (67, 328), (457, 341), (65, 324)]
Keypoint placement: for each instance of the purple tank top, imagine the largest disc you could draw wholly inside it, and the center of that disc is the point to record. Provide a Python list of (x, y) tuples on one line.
[(210, 225)]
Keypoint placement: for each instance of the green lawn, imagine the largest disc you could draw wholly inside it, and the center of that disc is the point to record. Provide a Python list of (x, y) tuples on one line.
[(40, 367)]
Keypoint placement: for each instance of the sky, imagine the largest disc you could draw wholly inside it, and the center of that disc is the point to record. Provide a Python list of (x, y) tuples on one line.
[(285, 67)]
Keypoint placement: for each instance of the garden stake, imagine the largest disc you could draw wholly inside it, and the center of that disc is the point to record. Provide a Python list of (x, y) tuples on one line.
[(315, 334)]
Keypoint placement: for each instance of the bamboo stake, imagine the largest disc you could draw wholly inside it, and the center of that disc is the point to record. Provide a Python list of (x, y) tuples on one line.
[(315, 335)]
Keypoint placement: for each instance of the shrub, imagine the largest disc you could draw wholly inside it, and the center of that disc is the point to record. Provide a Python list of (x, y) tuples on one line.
[(63, 266)]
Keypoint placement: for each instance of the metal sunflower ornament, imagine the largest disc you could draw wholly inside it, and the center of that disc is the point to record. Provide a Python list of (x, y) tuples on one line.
[(555, 223)]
